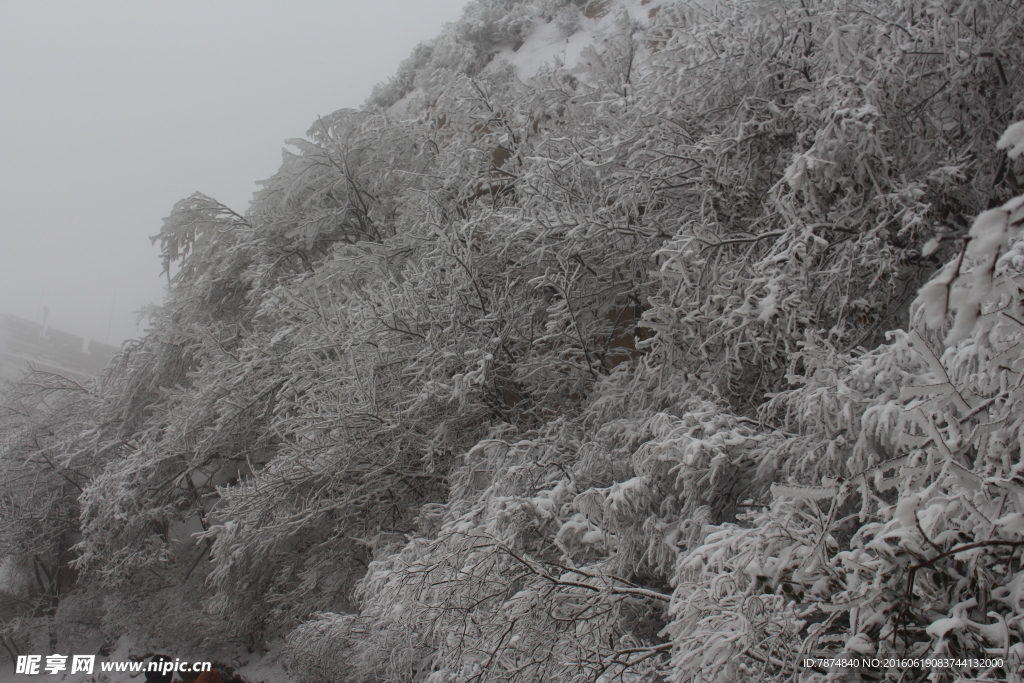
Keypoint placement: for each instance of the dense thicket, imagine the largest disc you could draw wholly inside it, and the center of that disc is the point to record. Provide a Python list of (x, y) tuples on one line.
[(641, 370)]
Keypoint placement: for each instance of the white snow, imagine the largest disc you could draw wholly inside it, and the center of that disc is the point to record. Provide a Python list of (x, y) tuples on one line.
[(941, 627), (408, 103), (546, 46), (1012, 140)]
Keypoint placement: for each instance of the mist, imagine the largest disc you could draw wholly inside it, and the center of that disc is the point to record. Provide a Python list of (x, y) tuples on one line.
[(113, 111)]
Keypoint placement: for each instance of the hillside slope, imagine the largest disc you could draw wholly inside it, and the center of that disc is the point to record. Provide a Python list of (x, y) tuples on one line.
[(618, 341)]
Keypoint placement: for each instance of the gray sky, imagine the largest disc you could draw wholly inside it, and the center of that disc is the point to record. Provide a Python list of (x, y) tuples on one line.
[(110, 112)]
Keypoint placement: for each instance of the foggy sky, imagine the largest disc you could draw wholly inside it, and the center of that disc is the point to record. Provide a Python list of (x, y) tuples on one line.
[(110, 112)]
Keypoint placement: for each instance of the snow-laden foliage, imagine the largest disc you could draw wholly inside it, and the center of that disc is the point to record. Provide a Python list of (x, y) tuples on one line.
[(683, 361), (48, 441)]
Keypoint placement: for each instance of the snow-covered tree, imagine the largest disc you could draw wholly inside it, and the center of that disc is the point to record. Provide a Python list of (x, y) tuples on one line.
[(681, 361)]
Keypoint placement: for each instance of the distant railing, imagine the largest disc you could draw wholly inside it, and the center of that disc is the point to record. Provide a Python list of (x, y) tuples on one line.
[(28, 342)]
